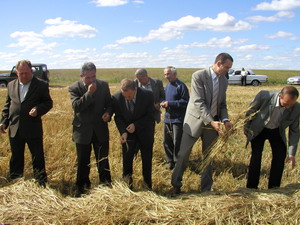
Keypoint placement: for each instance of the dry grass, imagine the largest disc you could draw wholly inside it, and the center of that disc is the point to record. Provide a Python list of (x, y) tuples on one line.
[(23, 202)]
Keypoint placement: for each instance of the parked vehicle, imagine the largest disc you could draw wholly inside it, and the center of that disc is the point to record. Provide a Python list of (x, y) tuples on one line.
[(252, 78), (39, 70), (294, 80)]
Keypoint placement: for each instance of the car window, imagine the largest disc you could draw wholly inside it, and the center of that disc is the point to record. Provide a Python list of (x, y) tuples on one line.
[(237, 72)]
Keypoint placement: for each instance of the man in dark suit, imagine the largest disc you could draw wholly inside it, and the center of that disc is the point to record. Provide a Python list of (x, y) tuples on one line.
[(205, 113), (153, 85), (134, 117), (272, 112), (27, 101), (91, 102)]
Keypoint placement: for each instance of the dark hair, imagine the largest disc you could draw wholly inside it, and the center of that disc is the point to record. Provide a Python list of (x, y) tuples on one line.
[(23, 62), (127, 84), (88, 66), (290, 90), (223, 57)]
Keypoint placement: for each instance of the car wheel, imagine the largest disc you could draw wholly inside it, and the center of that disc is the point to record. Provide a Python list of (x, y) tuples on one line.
[(255, 83), (2, 85)]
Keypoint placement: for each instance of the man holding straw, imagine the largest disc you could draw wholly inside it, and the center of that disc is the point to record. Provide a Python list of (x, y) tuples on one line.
[(206, 112), (270, 114)]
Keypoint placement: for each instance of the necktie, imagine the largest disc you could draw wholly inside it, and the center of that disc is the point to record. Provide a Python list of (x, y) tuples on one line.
[(214, 105), (130, 105)]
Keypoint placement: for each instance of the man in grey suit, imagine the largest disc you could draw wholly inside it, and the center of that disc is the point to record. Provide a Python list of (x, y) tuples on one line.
[(153, 85), (272, 113), (91, 102), (206, 111), (27, 101)]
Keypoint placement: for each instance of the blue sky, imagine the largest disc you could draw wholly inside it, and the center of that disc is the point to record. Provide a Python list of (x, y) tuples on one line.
[(150, 33)]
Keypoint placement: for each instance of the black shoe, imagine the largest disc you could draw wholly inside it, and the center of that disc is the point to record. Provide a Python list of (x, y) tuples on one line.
[(172, 165), (79, 191), (175, 191)]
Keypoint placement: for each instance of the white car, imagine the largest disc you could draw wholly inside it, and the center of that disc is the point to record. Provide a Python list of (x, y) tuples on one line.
[(252, 78), (294, 80)]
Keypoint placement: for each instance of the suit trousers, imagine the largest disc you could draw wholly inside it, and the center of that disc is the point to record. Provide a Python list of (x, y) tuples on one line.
[(172, 140), (277, 164), (36, 149), (208, 136), (83, 162), (129, 150)]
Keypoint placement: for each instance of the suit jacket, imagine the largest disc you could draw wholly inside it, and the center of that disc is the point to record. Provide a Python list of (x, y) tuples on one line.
[(142, 117), (88, 110), (16, 114), (263, 105), (158, 94), (198, 110)]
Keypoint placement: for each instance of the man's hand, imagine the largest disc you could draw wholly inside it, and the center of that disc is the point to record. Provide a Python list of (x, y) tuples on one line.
[(106, 117), (216, 125), (123, 138), (92, 87), (228, 125), (33, 112), (291, 160), (157, 106), (2, 128), (130, 128), (164, 104)]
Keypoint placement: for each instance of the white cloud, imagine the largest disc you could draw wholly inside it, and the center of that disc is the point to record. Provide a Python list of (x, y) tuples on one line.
[(282, 34), (134, 55), (138, 1), (276, 58), (112, 46), (225, 42), (79, 51), (250, 48), (278, 5), (31, 41), (223, 22), (172, 29), (8, 56), (104, 3), (297, 49), (132, 40), (277, 17), (59, 28)]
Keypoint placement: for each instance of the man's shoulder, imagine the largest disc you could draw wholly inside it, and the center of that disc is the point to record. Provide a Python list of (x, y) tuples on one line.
[(102, 82), (267, 93), (12, 83), (200, 74), (74, 85), (155, 80), (117, 95), (39, 82)]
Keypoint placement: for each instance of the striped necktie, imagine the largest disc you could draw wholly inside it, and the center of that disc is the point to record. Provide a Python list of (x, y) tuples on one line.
[(214, 105), (130, 105)]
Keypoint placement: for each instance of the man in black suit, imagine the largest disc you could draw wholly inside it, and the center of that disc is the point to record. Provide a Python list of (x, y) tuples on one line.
[(134, 117), (91, 102), (155, 86), (27, 101)]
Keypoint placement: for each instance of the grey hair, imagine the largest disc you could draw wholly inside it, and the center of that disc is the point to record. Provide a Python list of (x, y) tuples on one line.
[(141, 72), (172, 68), (87, 66)]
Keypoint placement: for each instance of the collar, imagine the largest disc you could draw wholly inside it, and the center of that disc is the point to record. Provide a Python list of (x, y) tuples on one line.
[(213, 74), (20, 83)]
